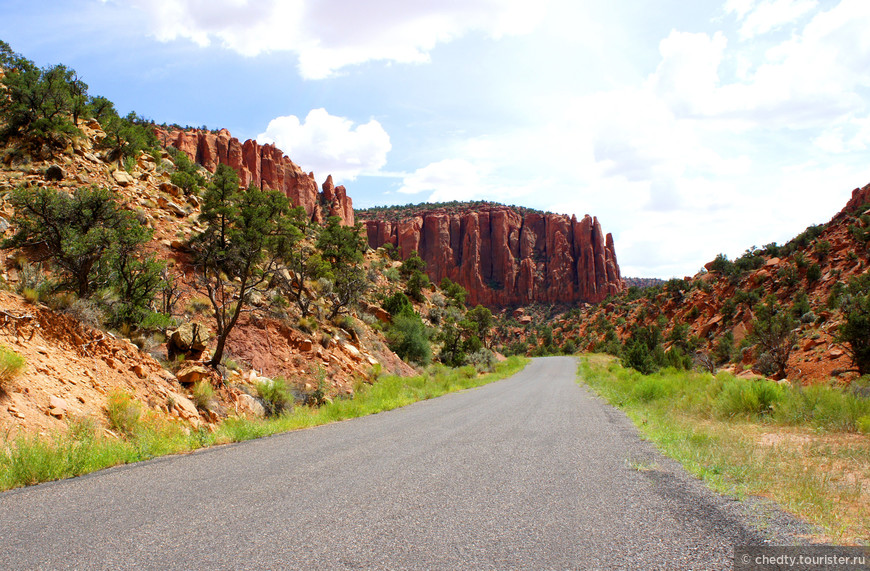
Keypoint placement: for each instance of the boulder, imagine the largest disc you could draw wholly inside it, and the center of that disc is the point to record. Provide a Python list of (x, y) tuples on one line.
[(192, 374), (249, 406), (57, 407), (188, 338), (123, 177)]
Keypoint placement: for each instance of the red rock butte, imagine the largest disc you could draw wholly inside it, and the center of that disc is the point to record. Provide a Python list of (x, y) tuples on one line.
[(506, 258), (266, 166)]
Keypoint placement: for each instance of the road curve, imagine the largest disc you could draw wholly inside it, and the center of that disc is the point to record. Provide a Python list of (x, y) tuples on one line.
[(532, 472)]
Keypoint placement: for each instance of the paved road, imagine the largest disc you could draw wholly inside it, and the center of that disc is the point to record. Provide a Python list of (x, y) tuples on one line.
[(532, 472)]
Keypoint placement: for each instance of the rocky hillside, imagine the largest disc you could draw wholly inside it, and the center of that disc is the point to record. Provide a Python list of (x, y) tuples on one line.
[(265, 166), (502, 255), (73, 363), (712, 313)]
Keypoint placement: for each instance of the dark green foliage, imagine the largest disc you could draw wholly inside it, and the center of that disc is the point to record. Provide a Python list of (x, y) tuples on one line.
[(303, 263), (417, 282), (483, 321), (749, 298), (800, 260), (408, 337), (643, 350), (187, 175), (788, 275), (127, 136), (773, 333), (771, 250), (860, 231), (412, 269), (814, 272), (247, 236), (728, 309), (854, 333), (723, 351), (40, 104), (398, 304), (453, 292), (821, 249), (86, 235), (837, 291), (414, 263), (801, 304), (677, 358), (458, 339), (342, 247), (409, 210), (802, 240)]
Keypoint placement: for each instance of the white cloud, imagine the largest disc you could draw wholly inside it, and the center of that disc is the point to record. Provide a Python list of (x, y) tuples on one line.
[(327, 144), (328, 35), (449, 179), (769, 15)]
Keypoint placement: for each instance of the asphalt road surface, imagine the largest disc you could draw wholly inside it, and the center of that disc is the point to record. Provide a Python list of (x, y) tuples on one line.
[(532, 472)]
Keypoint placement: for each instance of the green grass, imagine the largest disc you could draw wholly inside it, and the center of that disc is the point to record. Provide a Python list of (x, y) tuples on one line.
[(802, 447), (29, 460)]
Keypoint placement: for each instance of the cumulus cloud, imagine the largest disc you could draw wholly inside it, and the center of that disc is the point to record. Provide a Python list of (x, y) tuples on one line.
[(328, 35), (810, 79), (327, 144)]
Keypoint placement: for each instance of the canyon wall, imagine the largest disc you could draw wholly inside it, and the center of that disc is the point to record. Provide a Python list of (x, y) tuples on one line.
[(266, 166), (504, 257)]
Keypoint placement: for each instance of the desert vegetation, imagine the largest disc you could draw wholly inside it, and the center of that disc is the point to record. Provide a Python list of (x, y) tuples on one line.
[(804, 447)]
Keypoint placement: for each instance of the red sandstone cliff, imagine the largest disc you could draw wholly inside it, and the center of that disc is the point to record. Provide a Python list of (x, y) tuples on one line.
[(504, 257), (266, 166)]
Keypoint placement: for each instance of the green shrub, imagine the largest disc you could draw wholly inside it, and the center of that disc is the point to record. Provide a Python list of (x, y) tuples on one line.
[(203, 393), (123, 412), (825, 407), (276, 396), (11, 365), (750, 398), (855, 331), (398, 304), (408, 337), (482, 360), (307, 324)]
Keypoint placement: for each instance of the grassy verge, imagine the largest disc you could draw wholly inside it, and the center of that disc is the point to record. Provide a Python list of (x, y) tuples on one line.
[(805, 448), (82, 449)]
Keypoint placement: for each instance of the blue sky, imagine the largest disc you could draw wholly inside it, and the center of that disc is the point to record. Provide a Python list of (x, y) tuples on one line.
[(688, 128)]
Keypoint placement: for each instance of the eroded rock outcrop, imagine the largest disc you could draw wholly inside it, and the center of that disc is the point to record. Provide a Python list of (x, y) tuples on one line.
[(266, 166), (505, 257)]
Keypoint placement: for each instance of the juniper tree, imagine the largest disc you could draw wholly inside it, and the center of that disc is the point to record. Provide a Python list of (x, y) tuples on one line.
[(247, 235)]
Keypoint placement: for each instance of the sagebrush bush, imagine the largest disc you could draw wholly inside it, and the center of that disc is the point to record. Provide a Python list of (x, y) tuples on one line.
[(482, 360), (11, 365), (203, 393), (123, 412), (307, 324), (276, 396)]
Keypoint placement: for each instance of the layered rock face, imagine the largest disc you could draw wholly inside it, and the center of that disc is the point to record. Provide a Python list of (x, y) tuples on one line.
[(266, 166), (503, 257)]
